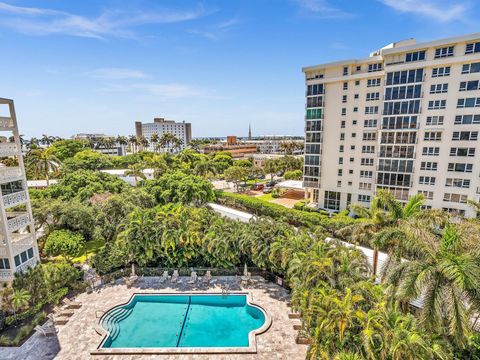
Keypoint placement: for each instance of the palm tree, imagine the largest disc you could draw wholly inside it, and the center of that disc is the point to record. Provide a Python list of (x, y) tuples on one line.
[(444, 275), (132, 139), (47, 140), (154, 139), (205, 168), (42, 162), (475, 205), (20, 299), (143, 142), (136, 170)]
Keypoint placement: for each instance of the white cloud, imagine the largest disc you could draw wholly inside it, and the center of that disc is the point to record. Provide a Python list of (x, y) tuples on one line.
[(117, 23), (436, 9), (116, 73), (162, 91), (217, 31), (321, 9)]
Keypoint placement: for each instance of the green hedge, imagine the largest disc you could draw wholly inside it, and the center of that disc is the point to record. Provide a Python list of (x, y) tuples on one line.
[(292, 216)]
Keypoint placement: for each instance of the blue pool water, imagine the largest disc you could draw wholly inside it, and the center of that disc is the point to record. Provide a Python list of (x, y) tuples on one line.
[(156, 321)]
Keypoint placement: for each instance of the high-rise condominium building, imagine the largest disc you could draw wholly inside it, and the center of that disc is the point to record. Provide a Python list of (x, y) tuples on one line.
[(160, 126), (18, 243), (406, 119)]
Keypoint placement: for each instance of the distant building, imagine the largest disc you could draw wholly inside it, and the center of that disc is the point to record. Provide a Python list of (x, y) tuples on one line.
[(129, 179), (259, 160), (160, 126), (237, 149), (101, 145), (18, 245), (275, 144)]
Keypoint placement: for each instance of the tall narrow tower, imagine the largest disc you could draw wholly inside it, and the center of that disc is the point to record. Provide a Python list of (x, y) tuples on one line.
[(249, 132), (18, 242)]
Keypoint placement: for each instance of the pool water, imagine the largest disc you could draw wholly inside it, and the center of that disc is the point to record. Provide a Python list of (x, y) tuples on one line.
[(157, 321)]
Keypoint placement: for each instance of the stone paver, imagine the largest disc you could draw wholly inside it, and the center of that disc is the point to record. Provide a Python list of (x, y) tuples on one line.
[(77, 338)]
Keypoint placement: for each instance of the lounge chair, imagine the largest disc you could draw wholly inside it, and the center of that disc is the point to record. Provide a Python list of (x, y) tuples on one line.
[(71, 304), (175, 276), (193, 278), (62, 312), (207, 278), (58, 320), (46, 330), (164, 277)]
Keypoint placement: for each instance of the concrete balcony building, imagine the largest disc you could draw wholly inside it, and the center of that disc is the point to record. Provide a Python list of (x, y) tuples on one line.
[(18, 243)]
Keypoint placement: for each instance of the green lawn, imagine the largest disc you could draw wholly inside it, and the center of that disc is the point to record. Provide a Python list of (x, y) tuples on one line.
[(91, 247)]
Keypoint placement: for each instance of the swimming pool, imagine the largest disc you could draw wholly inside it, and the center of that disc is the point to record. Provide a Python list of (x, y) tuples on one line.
[(184, 323)]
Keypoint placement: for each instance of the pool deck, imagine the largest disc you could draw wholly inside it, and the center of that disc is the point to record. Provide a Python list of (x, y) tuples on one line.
[(78, 338)]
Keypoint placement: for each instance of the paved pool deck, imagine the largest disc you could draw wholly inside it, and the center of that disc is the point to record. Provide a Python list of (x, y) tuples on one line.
[(78, 338)]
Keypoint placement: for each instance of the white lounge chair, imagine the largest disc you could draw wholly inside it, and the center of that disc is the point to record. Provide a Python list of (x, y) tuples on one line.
[(58, 320), (46, 330), (175, 276), (164, 277), (71, 304), (62, 312), (193, 278)]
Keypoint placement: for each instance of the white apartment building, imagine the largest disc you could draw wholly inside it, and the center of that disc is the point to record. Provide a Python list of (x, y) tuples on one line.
[(160, 126), (18, 242), (406, 119)]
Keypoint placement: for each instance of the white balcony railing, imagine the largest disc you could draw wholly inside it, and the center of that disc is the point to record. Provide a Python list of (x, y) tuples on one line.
[(6, 123), (6, 275), (14, 199), (10, 173), (8, 149), (18, 222), (21, 241)]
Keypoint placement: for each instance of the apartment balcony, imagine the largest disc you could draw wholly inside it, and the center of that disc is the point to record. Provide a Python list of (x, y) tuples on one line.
[(18, 221), (6, 275), (29, 264), (8, 149), (311, 184), (14, 199), (6, 123), (8, 174)]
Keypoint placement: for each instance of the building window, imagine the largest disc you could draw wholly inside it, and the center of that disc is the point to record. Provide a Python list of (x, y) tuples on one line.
[(345, 86), (415, 56), (433, 136), (344, 98), (342, 124), (369, 136), (434, 120), (468, 102), (345, 70), (316, 101), (373, 96), (469, 85), (431, 151), (357, 82), (341, 148), (462, 152), (465, 135), (314, 114), (355, 109), (471, 68), (356, 96), (368, 149), (364, 198), (403, 92), (438, 88), (370, 123), (437, 104), (467, 119), (339, 183), (352, 159), (472, 48), (350, 171), (453, 211), (441, 71), (428, 165), (444, 52), (354, 122), (4, 264), (456, 182), (342, 136), (373, 82), (426, 180), (364, 186), (404, 77), (366, 162), (344, 111), (448, 197), (354, 135), (340, 160), (427, 194), (367, 174), (340, 172), (358, 68), (460, 167), (332, 200), (371, 110), (316, 89), (374, 67)]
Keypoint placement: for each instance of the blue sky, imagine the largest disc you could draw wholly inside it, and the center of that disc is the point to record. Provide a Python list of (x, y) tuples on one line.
[(98, 66)]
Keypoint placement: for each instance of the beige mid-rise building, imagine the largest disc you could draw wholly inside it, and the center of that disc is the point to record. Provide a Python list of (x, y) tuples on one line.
[(406, 119), (18, 242)]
